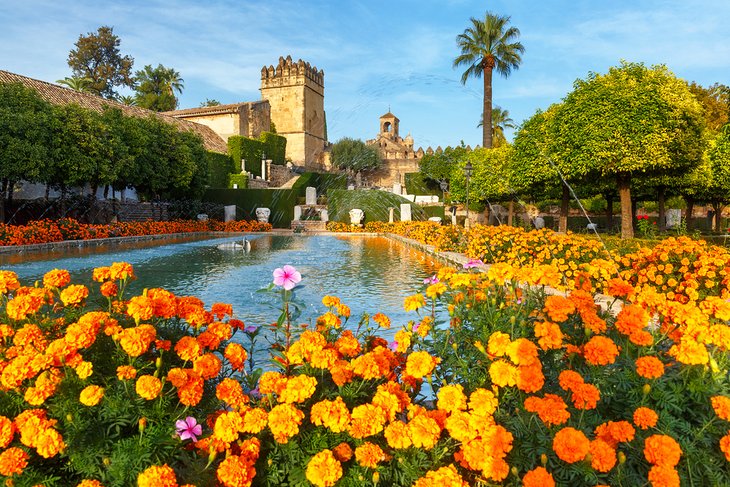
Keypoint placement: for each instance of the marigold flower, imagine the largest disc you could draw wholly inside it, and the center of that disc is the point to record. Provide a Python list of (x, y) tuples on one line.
[(342, 452), (157, 476), (414, 302), (323, 470), (136, 341), (120, 271), (13, 461), (615, 432), (366, 420), (347, 344), (298, 389), (331, 301), (126, 372), (227, 426), (331, 414), (56, 278), (369, 455), (538, 477), (8, 281), (721, 405), (690, 352), (49, 443), (483, 402), (220, 310), (444, 476), (530, 377), (649, 367), (230, 392), (424, 432), (600, 350), (382, 320), (571, 445), (603, 456), (619, 288), (148, 387), (502, 373), (435, 290), (84, 370), (207, 365), (284, 421), (396, 434), (255, 420), (271, 383), (551, 409), (89, 483), (550, 336), (725, 446), (236, 471), (7, 431), (645, 418), (236, 356), (74, 295), (91, 395), (141, 308), (451, 398), (421, 364), (498, 343), (663, 476), (109, 289), (662, 450), (559, 308)]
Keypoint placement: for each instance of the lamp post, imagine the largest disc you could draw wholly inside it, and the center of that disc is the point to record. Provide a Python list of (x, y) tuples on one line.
[(444, 187), (467, 172)]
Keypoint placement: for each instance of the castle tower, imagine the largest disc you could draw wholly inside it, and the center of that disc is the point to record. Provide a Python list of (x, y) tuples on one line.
[(295, 92), (389, 126)]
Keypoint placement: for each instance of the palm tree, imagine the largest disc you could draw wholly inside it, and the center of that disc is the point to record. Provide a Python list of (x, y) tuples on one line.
[(77, 83), (500, 121), (128, 100), (156, 87), (487, 45)]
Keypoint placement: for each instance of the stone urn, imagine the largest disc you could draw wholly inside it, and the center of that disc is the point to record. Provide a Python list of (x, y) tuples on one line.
[(356, 216), (262, 215)]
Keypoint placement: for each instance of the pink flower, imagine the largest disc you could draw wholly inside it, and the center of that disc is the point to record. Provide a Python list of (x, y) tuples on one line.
[(473, 263), (431, 280), (287, 277), (188, 429)]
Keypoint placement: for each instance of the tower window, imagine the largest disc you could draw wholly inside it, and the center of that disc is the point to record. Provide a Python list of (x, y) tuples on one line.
[(386, 127)]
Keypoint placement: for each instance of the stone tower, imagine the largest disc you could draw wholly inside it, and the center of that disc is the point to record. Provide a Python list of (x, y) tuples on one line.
[(389, 126), (295, 92)]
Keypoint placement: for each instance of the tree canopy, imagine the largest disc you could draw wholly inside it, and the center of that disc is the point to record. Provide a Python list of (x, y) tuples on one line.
[(156, 88), (97, 57), (439, 166), (355, 155)]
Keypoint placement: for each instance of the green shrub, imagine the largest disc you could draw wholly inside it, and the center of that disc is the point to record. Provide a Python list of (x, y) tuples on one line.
[(280, 201), (250, 150), (374, 203), (240, 180), (219, 167), (415, 184), (274, 147)]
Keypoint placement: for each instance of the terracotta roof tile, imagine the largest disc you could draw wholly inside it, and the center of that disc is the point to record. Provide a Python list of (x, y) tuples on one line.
[(214, 110), (59, 95)]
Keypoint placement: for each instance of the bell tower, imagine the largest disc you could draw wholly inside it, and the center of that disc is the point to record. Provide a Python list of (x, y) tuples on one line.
[(389, 126)]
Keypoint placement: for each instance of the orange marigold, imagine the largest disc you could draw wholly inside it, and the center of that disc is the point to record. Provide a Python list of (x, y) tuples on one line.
[(603, 456), (207, 365), (236, 356), (7, 431), (649, 367), (645, 418), (342, 452), (13, 461), (136, 341), (126, 372), (298, 389), (56, 278), (725, 446), (74, 295), (323, 470), (91, 395), (551, 409), (663, 476), (331, 414), (600, 350), (369, 455), (157, 476), (420, 364), (585, 396), (255, 420), (396, 433), (615, 432), (570, 379), (236, 471), (382, 320), (90, 483), (366, 420), (230, 392), (559, 308), (538, 477), (8, 281), (662, 450), (549, 335), (227, 426), (148, 387), (443, 477), (451, 398), (571, 445), (721, 405), (284, 421)]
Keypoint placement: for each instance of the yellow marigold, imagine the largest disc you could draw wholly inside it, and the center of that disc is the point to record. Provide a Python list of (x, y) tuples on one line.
[(49, 443), (331, 414), (721, 405), (74, 295), (230, 392), (13, 461), (126, 372), (298, 389), (255, 420), (451, 398), (157, 476), (645, 418), (443, 477), (382, 320), (538, 477), (323, 470), (330, 301), (571, 445), (343, 310), (136, 341), (421, 364), (460, 280), (603, 456), (663, 476), (84, 369), (366, 420), (7, 431), (600, 350), (662, 450), (329, 320), (227, 426), (8, 281), (271, 382), (284, 421), (435, 290), (690, 352), (236, 471), (369, 455), (89, 483), (403, 341), (424, 432), (396, 434), (502, 373), (148, 387), (649, 367), (498, 343), (91, 395), (56, 278), (414, 302), (120, 271)]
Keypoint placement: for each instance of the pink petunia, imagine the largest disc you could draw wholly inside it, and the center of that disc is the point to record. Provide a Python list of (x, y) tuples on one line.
[(287, 277), (188, 428), (473, 263)]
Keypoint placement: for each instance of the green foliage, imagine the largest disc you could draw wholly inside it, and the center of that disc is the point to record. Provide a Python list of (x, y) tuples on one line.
[(275, 147), (374, 203), (220, 167), (156, 88), (715, 100), (415, 184), (281, 202), (532, 172), (98, 58), (439, 166), (240, 180), (355, 155), (250, 150), (490, 179), (719, 155), (209, 102)]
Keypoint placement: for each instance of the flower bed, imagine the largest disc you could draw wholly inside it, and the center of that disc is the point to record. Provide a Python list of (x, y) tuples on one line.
[(45, 231), (528, 389)]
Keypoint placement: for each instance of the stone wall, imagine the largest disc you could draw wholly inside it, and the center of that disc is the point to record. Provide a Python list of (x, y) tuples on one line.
[(248, 119), (278, 175), (392, 171)]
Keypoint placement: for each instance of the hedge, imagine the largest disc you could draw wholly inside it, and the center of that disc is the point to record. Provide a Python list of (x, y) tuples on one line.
[(374, 203), (219, 167), (240, 180), (250, 150), (415, 184), (274, 147), (280, 201)]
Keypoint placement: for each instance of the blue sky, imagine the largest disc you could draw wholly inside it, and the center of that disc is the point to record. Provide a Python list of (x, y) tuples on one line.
[(377, 54)]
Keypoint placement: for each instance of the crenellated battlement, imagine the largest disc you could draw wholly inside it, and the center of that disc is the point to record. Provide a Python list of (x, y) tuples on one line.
[(288, 71)]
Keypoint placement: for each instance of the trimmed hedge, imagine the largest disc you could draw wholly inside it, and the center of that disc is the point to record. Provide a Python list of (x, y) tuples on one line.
[(250, 150), (241, 180), (322, 181), (415, 184), (275, 147), (280, 201), (374, 203), (219, 167)]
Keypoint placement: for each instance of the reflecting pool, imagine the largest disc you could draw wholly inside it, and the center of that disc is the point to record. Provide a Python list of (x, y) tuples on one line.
[(370, 274)]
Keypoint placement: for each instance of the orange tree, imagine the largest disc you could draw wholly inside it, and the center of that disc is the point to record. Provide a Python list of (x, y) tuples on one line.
[(631, 121)]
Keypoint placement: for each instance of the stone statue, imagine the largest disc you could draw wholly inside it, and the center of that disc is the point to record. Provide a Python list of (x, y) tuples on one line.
[(262, 215), (356, 216)]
